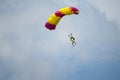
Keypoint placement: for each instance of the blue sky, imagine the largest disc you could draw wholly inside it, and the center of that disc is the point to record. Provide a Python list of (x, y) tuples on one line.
[(28, 51)]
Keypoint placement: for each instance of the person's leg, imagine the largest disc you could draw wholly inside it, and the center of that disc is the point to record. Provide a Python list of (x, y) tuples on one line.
[(73, 43)]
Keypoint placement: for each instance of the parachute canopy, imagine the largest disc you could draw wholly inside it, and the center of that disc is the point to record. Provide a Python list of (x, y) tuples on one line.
[(55, 17)]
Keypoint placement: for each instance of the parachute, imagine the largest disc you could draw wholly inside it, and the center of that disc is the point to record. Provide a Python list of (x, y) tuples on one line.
[(54, 19)]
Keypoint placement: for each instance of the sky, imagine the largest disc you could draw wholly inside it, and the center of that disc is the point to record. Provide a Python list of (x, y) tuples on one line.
[(29, 51)]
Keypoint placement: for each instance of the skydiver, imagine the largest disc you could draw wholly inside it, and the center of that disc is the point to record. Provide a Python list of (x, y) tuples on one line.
[(72, 39)]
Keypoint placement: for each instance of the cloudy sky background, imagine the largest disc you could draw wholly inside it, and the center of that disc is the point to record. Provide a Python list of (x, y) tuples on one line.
[(28, 51)]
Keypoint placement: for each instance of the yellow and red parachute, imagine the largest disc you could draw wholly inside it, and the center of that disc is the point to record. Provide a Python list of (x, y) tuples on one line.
[(55, 17)]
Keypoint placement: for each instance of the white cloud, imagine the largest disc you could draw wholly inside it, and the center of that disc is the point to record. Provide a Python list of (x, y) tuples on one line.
[(67, 2), (109, 7)]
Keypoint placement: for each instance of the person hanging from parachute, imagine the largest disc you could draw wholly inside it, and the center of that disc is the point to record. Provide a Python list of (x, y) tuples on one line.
[(72, 39), (54, 19)]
